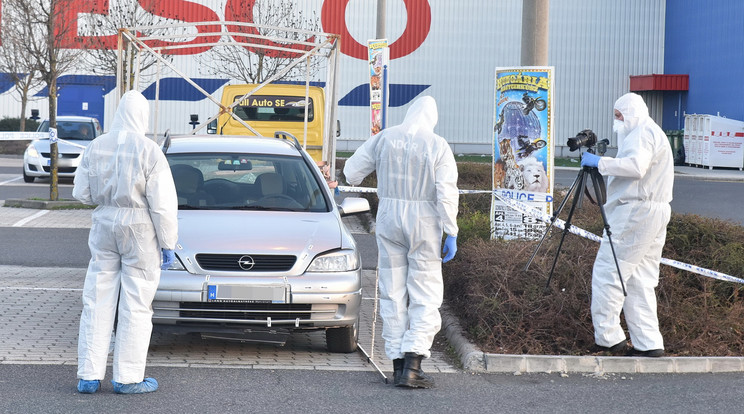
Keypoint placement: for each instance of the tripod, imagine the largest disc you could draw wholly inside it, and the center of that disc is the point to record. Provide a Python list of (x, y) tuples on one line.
[(578, 188)]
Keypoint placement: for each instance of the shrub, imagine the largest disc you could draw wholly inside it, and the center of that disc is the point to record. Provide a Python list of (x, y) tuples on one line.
[(505, 309)]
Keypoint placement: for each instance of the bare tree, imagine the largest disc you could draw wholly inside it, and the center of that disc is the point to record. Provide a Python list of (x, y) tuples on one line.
[(255, 64), (15, 63), (101, 55), (44, 31)]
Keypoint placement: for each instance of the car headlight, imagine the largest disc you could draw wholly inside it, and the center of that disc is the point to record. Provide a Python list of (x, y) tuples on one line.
[(31, 150), (176, 265), (338, 261)]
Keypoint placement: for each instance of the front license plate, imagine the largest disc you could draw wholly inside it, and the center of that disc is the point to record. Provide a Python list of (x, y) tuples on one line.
[(241, 293)]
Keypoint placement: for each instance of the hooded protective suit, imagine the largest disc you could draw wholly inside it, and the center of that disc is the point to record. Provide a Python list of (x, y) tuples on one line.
[(126, 174), (417, 190), (639, 191)]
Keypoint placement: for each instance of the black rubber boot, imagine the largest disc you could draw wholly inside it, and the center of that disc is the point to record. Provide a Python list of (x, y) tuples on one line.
[(413, 376), (398, 365)]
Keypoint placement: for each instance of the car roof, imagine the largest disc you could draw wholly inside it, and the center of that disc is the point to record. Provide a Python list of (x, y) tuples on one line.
[(74, 118), (231, 143)]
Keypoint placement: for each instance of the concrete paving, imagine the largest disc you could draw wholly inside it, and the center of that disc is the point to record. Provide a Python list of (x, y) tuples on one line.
[(40, 312)]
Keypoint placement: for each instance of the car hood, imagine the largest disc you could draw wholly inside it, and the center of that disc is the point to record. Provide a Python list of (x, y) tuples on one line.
[(66, 146), (257, 232)]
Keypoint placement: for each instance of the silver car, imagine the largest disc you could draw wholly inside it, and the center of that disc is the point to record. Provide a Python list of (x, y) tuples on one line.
[(262, 249), (75, 133)]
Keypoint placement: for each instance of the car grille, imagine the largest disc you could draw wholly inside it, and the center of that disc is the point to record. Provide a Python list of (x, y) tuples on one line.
[(61, 169), (230, 262), (244, 311), (62, 155)]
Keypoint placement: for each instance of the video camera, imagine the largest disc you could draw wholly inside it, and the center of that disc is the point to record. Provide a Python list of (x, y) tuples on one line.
[(587, 138)]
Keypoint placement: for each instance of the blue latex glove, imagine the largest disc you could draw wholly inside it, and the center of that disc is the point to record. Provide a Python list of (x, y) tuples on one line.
[(589, 160), (449, 249), (168, 257)]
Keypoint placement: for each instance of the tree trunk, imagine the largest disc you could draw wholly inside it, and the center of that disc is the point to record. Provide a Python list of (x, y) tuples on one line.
[(52, 82)]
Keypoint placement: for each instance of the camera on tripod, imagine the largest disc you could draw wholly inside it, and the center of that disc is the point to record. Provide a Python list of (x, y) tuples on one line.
[(587, 138)]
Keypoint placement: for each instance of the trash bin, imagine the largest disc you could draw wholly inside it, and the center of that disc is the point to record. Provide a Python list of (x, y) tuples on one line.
[(676, 141)]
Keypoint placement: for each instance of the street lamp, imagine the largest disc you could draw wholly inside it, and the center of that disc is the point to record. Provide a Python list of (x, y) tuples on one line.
[(194, 120)]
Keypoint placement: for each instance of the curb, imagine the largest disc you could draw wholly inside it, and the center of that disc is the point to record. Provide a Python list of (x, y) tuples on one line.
[(476, 360), (46, 204)]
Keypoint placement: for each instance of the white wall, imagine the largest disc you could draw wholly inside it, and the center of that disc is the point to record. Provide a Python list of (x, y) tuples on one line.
[(594, 46)]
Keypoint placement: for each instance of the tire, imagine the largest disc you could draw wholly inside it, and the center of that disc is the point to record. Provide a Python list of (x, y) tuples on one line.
[(540, 105), (343, 339), (26, 178)]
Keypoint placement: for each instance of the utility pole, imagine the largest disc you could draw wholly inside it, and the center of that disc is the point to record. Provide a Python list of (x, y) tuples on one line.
[(380, 34), (535, 19)]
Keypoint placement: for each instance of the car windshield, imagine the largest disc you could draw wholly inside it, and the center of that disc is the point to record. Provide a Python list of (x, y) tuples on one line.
[(230, 181), (77, 130)]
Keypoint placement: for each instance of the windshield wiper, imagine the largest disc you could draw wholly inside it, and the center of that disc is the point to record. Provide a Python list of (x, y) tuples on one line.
[(264, 208)]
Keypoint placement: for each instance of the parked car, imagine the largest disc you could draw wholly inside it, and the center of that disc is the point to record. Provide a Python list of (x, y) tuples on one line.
[(262, 249), (74, 132)]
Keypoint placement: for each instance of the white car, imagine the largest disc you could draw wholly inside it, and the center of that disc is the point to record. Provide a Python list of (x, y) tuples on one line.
[(74, 132), (262, 249)]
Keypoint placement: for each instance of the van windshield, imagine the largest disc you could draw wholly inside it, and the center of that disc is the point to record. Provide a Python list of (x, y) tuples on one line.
[(274, 108)]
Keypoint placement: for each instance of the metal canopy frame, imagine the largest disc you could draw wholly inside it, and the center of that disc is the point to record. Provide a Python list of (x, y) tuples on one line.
[(132, 47)]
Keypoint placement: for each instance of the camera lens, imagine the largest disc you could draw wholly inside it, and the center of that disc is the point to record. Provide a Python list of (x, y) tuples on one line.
[(586, 138)]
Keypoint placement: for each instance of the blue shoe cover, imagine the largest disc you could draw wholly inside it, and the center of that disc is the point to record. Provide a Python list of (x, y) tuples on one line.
[(148, 385), (88, 387)]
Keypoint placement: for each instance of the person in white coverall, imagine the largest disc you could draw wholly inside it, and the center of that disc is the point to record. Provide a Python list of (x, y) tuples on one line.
[(639, 190), (418, 196), (134, 224)]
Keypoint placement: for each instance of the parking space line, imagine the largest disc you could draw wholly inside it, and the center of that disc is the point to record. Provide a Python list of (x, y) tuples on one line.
[(41, 288), (21, 223), (11, 180)]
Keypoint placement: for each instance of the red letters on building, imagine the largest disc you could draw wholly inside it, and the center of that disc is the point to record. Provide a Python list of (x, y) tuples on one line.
[(69, 15), (417, 28), (185, 11), (242, 11), (332, 17)]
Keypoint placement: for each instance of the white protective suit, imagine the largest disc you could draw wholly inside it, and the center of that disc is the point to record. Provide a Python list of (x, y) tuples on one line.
[(126, 174), (418, 196), (639, 191)]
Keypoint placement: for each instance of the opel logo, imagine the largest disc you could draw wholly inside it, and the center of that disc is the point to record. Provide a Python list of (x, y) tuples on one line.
[(246, 263)]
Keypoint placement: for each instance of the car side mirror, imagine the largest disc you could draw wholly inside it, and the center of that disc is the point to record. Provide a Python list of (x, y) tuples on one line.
[(212, 127), (353, 205)]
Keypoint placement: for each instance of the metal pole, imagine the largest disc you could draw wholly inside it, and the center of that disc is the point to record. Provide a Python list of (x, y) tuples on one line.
[(380, 19), (535, 18)]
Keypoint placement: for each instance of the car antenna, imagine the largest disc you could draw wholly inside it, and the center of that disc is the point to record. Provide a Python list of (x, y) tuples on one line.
[(167, 142)]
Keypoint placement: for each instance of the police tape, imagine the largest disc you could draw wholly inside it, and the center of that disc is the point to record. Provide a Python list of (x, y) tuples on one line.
[(513, 194), (532, 212), (525, 209), (22, 136), (30, 136)]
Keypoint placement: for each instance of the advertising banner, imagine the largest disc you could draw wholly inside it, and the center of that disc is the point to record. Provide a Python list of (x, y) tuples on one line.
[(378, 64), (522, 149)]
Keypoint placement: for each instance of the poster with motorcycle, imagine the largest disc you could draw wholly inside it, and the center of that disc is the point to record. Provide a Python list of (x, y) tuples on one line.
[(522, 149), (378, 62)]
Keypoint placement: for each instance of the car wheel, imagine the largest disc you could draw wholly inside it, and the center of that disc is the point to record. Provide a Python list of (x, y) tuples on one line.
[(26, 178), (343, 339)]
